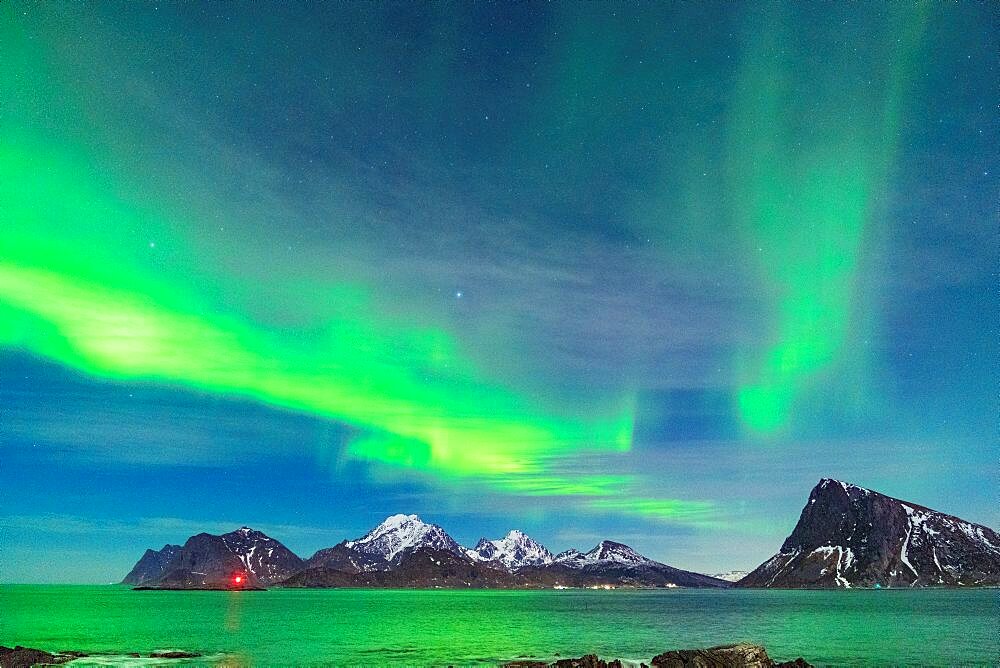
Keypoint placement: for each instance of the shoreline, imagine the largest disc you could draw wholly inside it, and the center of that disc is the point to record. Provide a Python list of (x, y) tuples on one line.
[(736, 655)]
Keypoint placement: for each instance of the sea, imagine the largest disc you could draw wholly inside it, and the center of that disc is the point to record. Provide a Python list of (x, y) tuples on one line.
[(345, 627)]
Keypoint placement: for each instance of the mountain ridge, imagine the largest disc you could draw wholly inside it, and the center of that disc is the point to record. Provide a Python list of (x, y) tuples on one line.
[(847, 536), (405, 551), (850, 536)]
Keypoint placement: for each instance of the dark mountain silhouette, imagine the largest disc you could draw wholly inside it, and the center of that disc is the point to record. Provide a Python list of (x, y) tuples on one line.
[(849, 536)]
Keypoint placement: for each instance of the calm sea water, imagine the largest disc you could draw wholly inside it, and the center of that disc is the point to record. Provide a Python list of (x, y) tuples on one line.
[(379, 627)]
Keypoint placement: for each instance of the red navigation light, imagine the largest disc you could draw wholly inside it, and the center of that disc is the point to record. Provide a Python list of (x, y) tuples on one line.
[(238, 579)]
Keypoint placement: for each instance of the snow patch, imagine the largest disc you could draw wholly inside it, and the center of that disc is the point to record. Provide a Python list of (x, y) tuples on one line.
[(845, 557), (906, 542)]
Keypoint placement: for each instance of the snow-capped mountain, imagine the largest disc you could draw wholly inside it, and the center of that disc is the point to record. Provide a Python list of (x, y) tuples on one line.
[(513, 551), (608, 550), (731, 576), (619, 564), (605, 552), (849, 536), (400, 534), (403, 546)]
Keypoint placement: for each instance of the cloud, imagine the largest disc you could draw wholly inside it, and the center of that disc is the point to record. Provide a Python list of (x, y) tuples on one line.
[(144, 527)]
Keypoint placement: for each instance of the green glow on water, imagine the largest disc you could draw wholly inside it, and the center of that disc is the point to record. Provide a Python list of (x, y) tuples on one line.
[(280, 627)]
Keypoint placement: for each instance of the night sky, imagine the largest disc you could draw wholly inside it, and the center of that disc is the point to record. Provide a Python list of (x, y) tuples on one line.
[(639, 272)]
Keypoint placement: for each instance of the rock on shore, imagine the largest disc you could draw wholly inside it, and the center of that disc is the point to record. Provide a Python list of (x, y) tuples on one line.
[(742, 655), (25, 657)]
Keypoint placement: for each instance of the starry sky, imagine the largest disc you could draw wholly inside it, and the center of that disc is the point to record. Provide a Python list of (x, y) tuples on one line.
[(643, 272)]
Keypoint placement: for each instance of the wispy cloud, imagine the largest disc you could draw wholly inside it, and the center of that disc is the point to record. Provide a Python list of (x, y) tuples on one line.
[(698, 513), (143, 527)]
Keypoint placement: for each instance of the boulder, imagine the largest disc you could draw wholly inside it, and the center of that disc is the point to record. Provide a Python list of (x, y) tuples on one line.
[(742, 655), (25, 657)]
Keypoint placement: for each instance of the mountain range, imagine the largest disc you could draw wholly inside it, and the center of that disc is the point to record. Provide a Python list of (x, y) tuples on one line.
[(402, 551), (847, 536)]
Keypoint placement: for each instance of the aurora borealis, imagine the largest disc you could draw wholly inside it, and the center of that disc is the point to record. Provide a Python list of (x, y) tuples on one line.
[(605, 270)]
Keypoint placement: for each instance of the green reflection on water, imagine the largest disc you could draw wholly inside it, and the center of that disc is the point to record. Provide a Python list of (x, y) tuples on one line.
[(929, 627)]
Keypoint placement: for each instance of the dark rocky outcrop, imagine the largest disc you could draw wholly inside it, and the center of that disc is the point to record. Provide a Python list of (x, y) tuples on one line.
[(585, 661), (743, 655), (151, 565), (25, 657), (848, 536)]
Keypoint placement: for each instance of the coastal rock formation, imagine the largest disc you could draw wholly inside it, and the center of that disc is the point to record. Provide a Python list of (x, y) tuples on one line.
[(25, 657), (585, 661), (743, 655), (848, 536), (151, 565)]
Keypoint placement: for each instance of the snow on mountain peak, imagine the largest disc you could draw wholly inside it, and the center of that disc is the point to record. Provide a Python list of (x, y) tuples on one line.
[(260, 554), (398, 522), (403, 533), (608, 550), (515, 550), (846, 486)]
